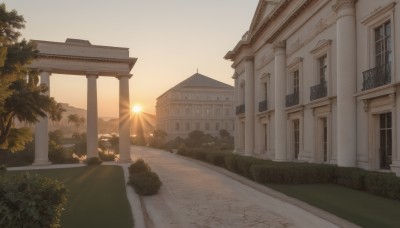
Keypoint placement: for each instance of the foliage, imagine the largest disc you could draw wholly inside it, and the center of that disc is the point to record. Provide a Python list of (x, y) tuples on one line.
[(350, 177), (3, 168), (80, 144), (93, 161), (31, 201), (57, 153), (76, 120), (22, 158), (56, 112), (107, 156), (21, 97), (158, 138), (145, 183), (138, 166), (383, 184)]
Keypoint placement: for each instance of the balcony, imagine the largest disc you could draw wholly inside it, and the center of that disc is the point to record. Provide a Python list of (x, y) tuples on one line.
[(240, 109), (318, 91), (292, 99), (263, 106), (376, 77)]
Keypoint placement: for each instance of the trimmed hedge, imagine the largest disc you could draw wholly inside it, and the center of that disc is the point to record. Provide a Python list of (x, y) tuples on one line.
[(267, 171), (145, 183), (93, 161), (383, 184), (142, 179), (31, 201), (289, 173), (138, 166), (350, 177)]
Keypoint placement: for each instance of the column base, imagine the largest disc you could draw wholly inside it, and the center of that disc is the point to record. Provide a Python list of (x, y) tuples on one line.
[(41, 163)]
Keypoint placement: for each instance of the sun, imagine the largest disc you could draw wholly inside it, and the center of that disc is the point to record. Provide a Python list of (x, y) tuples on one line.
[(137, 109)]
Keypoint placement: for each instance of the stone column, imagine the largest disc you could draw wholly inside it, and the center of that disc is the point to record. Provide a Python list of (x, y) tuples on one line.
[(346, 83), (41, 129), (124, 120), (91, 132), (280, 94), (236, 118), (249, 106)]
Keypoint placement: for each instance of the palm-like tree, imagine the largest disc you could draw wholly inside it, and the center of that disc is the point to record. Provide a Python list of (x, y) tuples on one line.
[(75, 119), (56, 112)]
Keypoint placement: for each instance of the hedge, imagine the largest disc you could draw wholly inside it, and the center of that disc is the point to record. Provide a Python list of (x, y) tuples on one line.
[(142, 179), (31, 201), (267, 171), (138, 166)]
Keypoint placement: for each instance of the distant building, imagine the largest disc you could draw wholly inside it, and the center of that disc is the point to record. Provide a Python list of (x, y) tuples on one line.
[(197, 103), (318, 81)]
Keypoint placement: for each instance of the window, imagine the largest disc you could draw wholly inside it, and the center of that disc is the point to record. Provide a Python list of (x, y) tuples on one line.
[(383, 49), (187, 111), (296, 138), (217, 111), (322, 67), (385, 140), (177, 127), (197, 125), (187, 126), (217, 126), (296, 81), (207, 126)]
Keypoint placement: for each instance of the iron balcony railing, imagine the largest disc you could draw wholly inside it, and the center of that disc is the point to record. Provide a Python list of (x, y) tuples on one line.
[(263, 106), (318, 91), (240, 109), (376, 77), (292, 99)]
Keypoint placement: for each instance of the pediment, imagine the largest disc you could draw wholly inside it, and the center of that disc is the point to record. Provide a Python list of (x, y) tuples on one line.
[(321, 45), (264, 8)]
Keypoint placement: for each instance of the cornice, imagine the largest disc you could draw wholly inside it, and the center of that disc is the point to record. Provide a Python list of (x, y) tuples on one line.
[(130, 61)]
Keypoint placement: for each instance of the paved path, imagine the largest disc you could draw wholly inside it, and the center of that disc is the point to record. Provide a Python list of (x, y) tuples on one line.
[(195, 196)]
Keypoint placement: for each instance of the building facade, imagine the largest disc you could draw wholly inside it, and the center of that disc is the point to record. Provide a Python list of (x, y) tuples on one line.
[(317, 81), (197, 103)]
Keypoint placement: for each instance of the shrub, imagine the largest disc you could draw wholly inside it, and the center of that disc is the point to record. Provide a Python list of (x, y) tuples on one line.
[(145, 183), (3, 169), (292, 173), (199, 154), (216, 158), (93, 161), (31, 201), (383, 184), (350, 177), (244, 164), (230, 163), (138, 166), (107, 156)]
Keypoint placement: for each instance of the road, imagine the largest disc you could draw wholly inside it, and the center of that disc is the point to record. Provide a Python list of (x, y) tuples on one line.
[(193, 195)]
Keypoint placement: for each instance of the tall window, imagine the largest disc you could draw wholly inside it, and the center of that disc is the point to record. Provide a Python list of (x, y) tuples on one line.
[(385, 137), (207, 126), (383, 49), (197, 125), (227, 112), (217, 111), (187, 111), (177, 127), (187, 126), (322, 65), (296, 81), (296, 138), (265, 85), (217, 126)]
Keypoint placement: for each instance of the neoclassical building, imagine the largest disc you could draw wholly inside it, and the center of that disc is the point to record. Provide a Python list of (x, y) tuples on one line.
[(317, 81), (197, 103)]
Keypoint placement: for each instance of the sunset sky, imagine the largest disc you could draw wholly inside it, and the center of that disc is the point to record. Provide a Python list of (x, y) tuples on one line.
[(170, 38)]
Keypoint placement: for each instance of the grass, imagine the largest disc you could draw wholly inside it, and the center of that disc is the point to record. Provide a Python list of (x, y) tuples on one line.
[(96, 197), (362, 208)]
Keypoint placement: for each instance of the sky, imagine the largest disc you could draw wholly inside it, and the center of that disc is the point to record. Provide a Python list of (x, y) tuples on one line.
[(170, 38)]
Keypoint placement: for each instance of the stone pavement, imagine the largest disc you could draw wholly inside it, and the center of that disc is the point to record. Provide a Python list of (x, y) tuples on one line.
[(195, 195)]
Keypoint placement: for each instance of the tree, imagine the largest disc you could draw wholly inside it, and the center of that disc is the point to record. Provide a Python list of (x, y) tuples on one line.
[(158, 137), (20, 95), (75, 119), (56, 112)]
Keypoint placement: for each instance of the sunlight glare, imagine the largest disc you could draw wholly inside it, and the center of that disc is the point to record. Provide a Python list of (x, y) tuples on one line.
[(136, 109)]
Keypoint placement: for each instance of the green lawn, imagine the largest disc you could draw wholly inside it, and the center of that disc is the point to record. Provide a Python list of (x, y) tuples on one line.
[(359, 207), (96, 197)]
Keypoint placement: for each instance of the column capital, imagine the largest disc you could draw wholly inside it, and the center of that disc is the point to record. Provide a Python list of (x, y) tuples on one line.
[(119, 76), (249, 58), (279, 44), (45, 70), (341, 4), (92, 74)]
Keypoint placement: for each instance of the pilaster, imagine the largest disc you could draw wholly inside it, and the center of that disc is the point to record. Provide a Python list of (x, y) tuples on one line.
[(249, 105)]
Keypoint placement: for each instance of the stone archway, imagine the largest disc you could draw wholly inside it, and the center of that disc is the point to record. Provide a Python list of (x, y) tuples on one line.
[(80, 57)]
